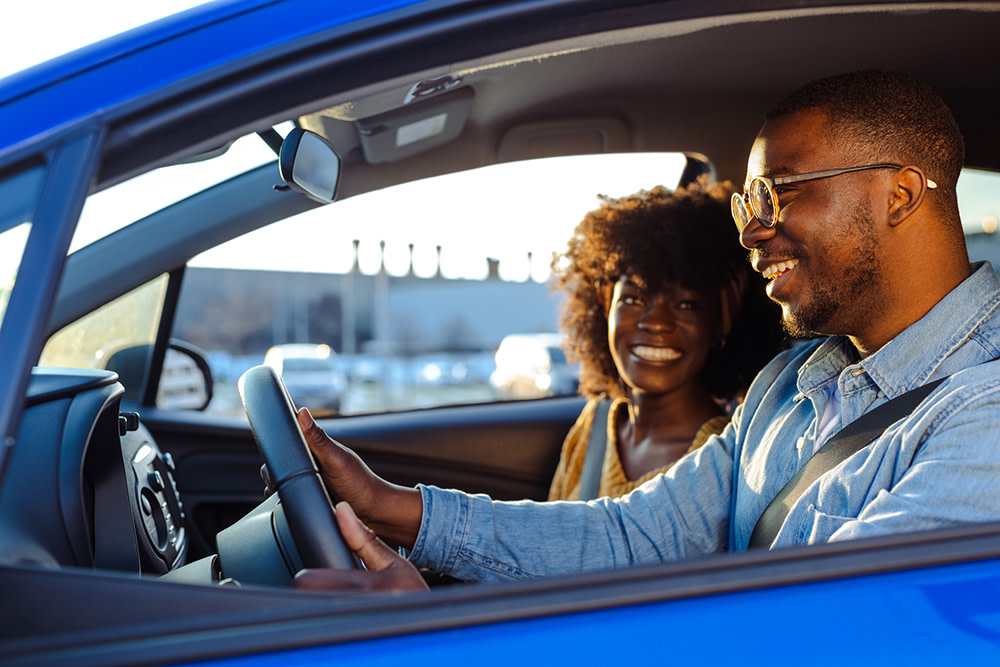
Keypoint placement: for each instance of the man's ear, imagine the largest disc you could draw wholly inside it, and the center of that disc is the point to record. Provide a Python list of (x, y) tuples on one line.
[(911, 184)]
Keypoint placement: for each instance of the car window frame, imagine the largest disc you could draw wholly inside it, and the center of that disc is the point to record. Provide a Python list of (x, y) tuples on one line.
[(253, 620), (70, 162)]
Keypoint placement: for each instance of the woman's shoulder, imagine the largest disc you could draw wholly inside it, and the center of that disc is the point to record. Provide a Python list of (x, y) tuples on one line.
[(713, 426)]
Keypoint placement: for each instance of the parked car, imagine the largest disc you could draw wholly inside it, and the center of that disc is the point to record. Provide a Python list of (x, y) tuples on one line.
[(533, 366), (312, 374), (114, 509)]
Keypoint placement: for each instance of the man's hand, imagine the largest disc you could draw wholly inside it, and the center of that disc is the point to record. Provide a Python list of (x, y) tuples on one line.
[(393, 511), (387, 570)]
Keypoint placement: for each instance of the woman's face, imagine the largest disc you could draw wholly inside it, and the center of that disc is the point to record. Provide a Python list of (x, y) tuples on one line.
[(661, 339)]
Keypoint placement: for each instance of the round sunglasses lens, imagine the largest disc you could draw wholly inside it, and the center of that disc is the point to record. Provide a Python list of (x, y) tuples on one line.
[(761, 202)]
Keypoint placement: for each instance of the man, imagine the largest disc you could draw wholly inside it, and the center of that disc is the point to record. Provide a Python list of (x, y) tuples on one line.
[(850, 210)]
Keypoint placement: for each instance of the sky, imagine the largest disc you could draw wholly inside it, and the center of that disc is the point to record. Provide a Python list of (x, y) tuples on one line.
[(33, 31)]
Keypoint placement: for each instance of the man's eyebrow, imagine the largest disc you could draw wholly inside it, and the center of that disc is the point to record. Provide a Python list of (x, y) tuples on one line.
[(776, 172)]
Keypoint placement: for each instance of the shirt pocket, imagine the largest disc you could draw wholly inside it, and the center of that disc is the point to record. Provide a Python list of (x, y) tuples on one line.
[(816, 526)]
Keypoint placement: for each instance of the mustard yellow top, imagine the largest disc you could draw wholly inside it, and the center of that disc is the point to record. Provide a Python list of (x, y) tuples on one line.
[(566, 481)]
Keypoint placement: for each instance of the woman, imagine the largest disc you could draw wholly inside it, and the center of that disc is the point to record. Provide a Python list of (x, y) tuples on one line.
[(668, 326)]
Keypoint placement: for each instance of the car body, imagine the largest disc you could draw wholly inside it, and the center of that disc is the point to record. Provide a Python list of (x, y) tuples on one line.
[(97, 505), (312, 374), (533, 366)]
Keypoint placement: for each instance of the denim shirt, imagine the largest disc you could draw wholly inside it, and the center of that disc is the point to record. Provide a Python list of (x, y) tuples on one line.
[(938, 467)]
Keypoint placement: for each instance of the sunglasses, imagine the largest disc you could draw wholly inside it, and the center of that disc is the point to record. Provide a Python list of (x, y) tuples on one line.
[(761, 201)]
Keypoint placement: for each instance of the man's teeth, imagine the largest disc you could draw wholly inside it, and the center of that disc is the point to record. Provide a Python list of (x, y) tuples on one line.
[(656, 353), (778, 269)]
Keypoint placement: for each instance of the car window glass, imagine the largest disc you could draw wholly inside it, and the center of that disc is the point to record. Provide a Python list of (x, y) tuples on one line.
[(412, 288), (979, 205), (18, 196), (106, 336), (12, 242)]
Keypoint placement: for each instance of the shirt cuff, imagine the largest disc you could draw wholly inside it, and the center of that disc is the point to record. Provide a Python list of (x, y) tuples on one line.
[(443, 527)]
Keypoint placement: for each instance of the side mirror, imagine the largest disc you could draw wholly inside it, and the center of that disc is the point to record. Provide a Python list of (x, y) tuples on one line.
[(309, 165), (185, 378)]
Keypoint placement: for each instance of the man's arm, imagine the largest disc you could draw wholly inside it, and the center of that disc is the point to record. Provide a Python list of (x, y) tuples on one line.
[(684, 513), (681, 514)]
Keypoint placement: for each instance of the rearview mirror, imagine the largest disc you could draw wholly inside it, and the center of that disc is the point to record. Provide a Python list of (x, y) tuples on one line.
[(310, 165)]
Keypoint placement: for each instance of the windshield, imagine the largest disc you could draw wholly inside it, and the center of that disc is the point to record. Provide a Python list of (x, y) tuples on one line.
[(108, 211)]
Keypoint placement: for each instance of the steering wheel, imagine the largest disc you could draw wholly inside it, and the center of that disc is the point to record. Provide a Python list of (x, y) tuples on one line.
[(293, 471)]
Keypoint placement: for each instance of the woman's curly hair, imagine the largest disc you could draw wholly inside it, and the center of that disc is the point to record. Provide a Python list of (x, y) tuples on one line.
[(685, 236)]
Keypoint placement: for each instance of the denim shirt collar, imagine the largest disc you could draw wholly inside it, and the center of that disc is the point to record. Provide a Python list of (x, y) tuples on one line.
[(932, 347)]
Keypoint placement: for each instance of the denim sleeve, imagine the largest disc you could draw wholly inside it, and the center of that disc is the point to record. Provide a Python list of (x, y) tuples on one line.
[(684, 512)]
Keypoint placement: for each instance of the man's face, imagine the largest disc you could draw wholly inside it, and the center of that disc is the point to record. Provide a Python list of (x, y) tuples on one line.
[(822, 257), (661, 338)]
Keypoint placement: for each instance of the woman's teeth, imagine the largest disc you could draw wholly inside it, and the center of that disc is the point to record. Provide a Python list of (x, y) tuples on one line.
[(656, 353)]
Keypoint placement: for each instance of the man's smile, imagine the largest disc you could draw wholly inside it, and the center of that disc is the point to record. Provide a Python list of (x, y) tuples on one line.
[(778, 269)]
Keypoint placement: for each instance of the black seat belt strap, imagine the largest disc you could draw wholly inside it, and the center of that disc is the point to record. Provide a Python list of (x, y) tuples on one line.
[(593, 462), (849, 440)]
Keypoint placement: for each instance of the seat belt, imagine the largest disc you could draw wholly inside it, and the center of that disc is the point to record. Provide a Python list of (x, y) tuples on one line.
[(849, 440), (593, 461)]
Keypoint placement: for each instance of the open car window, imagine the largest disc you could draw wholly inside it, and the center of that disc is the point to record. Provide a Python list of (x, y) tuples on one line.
[(411, 289)]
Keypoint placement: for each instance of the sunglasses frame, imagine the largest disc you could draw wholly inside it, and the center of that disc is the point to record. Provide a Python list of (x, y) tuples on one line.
[(743, 199)]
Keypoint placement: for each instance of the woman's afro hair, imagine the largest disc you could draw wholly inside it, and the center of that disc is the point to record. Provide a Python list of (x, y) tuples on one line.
[(684, 236)]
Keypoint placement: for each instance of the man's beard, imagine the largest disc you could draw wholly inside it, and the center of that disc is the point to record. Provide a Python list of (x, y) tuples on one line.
[(836, 303)]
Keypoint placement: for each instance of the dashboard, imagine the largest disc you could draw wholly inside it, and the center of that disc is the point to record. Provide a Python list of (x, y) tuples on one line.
[(91, 488)]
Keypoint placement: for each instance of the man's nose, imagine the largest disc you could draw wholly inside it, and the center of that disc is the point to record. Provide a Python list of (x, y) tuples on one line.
[(755, 233)]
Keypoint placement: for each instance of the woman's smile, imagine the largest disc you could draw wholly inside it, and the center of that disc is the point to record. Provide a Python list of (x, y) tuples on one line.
[(656, 354)]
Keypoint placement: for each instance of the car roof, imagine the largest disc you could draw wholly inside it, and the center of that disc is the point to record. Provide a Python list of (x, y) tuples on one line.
[(150, 63)]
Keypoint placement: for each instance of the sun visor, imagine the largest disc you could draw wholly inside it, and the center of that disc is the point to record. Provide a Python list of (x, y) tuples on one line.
[(400, 133)]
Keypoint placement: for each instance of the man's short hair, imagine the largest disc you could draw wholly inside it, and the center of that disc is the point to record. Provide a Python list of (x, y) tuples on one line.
[(885, 116)]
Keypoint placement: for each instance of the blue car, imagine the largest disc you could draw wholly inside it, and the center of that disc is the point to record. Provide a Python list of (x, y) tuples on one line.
[(178, 199)]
